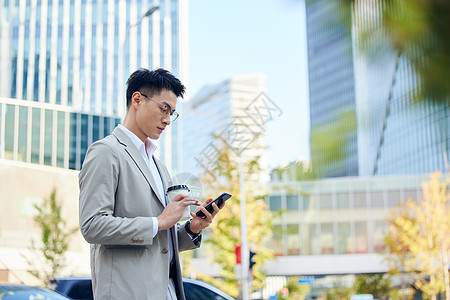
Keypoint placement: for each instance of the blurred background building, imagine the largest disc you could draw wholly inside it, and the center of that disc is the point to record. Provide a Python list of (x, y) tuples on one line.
[(331, 86), (213, 111), (398, 133), (64, 65), (69, 61)]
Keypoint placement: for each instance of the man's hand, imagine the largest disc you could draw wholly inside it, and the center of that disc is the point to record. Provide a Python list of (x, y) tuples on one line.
[(174, 211), (198, 223)]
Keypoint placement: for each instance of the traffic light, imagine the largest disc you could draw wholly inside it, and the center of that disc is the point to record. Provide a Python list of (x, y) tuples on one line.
[(251, 261)]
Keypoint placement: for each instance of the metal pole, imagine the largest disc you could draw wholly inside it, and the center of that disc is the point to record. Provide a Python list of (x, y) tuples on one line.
[(244, 245)]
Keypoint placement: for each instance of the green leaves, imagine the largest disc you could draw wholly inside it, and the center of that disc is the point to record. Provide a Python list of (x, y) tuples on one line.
[(54, 241)]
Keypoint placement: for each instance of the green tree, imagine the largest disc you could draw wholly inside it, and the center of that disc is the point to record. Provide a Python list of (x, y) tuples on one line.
[(418, 238), (225, 232), (377, 285), (295, 290), (48, 255)]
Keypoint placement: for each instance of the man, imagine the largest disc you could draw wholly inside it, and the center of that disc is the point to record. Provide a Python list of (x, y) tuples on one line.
[(124, 211)]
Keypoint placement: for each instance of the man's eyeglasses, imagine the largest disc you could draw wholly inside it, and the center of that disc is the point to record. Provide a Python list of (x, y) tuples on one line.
[(165, 110)]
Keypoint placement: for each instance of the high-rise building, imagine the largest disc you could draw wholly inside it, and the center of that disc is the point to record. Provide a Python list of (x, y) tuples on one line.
[(331, 87), (396, 135), (64, 67), (220, 109)]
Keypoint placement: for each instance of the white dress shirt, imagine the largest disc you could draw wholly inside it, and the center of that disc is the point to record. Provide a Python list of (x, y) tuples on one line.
[(147, 149)]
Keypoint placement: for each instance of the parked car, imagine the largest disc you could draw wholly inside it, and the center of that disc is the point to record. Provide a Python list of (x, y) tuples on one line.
[(80, 288), (21, 292), (199, 290)]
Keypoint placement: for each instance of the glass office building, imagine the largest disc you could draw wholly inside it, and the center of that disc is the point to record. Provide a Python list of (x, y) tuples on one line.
[(223, 109), (342, 217), (66, 62), (395, 135), (331, 84)]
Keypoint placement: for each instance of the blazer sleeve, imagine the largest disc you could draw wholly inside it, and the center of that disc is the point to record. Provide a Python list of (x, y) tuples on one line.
[(98, 180)]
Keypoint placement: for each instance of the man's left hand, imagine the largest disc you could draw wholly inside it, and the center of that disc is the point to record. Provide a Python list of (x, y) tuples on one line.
[(199, 223)]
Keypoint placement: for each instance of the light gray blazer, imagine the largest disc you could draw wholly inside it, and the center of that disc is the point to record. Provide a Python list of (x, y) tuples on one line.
[(117, 201)]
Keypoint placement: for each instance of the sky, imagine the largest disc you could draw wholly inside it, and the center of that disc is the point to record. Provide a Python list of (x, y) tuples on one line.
[(228, 38)]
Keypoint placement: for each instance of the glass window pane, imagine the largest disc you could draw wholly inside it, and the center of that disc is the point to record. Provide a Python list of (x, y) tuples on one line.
[(293, 239), (305, 202), (325, 201), (342, 200), (360, 200), (22, 139), (9, 130), (326, 238), (73, 141), (292, 202), (60, 139), (377, 199), (394, 198), (277, 240), (35, 134), (84, 136), (361, 237), (345, 242), (95, 128), (275, 203), (48, 137), (312, 242), (378, 236)]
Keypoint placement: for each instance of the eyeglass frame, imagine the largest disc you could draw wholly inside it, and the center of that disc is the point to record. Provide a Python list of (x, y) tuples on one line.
[(172, 113)]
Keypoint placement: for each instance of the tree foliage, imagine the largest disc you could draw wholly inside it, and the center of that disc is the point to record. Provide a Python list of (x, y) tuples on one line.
[(418, 238), (48, 255), (377, 285), (295, 291), (225, 232)]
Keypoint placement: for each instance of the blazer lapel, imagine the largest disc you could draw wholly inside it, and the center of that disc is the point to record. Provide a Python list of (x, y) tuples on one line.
[(136, 156)]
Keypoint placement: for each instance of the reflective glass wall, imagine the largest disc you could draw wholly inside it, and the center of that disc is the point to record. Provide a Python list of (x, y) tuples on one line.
[(336, 216), (79, 54)]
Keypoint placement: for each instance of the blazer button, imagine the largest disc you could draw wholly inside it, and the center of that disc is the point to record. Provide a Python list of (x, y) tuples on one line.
[(165, 250)]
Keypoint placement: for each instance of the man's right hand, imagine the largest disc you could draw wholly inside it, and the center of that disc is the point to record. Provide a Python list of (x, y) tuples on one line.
[(174, 211)]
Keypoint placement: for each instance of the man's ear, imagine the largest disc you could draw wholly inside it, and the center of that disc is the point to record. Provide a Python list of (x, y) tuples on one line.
[(136, 98)]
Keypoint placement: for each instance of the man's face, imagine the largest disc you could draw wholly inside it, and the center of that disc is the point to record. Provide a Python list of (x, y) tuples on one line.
[(150, 119)]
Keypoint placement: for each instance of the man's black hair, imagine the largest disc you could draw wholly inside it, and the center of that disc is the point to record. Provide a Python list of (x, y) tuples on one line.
[(153, 82)]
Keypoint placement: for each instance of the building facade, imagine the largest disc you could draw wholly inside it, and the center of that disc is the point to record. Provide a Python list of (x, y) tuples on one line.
[(331, 226), (222, 110), (64, 66), (75, 56), (331, 88), (397, 132)]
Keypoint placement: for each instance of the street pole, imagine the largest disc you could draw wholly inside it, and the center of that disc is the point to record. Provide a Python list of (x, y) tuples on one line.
[(244, 245), (121, 66)]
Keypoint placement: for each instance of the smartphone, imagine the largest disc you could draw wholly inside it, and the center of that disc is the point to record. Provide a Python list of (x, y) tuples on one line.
[(219, 200)]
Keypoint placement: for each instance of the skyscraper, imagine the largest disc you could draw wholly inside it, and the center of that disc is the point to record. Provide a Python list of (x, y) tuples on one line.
[(215, 110), (331, 87), (397, 134), (393, 134), (64, 66)]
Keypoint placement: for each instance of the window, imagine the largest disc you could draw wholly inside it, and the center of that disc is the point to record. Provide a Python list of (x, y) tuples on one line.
[(344, 240), (275, 203), (326, 238), (293, 239), (292, 202)]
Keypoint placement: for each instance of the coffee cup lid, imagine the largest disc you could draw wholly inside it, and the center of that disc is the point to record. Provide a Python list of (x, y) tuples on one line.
[(178, 187)]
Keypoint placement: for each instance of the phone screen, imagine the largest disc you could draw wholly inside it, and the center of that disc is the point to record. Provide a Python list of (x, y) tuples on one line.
[(219, 200)]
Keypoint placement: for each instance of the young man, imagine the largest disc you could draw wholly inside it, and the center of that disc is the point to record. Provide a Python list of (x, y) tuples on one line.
[(124, 211)]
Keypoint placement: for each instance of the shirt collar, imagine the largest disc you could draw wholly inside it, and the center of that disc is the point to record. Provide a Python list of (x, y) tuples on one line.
[(150, 147)]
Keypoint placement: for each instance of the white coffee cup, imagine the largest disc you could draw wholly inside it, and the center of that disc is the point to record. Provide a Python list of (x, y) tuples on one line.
[(176, 190)]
